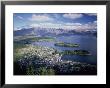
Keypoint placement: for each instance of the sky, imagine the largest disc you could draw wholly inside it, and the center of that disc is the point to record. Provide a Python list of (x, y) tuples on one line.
[(68, 21)]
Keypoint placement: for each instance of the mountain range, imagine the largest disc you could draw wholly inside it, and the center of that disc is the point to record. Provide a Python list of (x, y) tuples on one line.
[(51, 32)]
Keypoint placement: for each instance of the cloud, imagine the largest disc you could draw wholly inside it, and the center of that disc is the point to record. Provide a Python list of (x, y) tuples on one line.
[(47, 25), (34, 25), (68, 26), (82, 27), (92, 14), (20, 17), (71, 24), (72, 15), (95, 22), (40, 18)]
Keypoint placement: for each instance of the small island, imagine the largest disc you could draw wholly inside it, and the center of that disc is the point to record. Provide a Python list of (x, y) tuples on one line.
[(76, 52), (63, 44)]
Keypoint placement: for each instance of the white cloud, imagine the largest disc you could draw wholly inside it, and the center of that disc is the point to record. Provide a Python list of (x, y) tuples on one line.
[(72, 24), (95, 22), (73, 15), (68, 26), (20, 17), (42, 18), (47, 25), (91, 14), (34, 25)]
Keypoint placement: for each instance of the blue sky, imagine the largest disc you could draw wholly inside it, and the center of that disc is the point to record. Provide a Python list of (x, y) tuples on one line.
[(78, 21)]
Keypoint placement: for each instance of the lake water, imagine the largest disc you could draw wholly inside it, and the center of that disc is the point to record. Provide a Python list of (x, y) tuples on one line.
[(86, 42)]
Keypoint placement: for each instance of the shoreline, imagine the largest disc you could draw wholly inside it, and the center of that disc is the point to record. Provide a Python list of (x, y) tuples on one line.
[(49, 59)]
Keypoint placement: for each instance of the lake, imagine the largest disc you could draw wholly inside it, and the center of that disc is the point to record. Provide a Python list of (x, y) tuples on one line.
[(86, 42)]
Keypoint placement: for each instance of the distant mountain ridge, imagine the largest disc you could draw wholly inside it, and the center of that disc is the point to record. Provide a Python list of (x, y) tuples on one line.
[(50, 32)]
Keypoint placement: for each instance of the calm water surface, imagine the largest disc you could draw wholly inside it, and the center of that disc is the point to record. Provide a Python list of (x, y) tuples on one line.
[(86, 42)]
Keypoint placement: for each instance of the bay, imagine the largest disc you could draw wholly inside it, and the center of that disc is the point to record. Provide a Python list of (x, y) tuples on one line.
[(86, 42)]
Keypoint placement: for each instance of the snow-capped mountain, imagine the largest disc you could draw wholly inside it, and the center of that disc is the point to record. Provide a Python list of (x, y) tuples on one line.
[(49, 31)]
